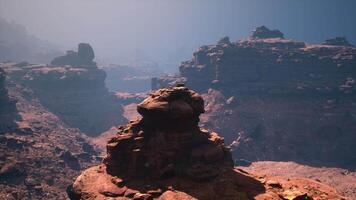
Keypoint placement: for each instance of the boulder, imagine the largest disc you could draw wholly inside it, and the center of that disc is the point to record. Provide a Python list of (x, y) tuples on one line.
[(262, 32)]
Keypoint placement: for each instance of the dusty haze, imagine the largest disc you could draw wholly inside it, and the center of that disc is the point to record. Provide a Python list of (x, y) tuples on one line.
[(166, 31)]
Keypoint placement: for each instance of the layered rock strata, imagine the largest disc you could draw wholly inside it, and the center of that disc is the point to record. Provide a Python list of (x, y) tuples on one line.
[(268, 66), (77, 95), (39, 154), (274, 98), (165, 155)]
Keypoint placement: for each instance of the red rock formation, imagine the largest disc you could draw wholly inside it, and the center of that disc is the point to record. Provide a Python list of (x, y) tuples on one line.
[(272, 66), (279, 99), (167, 142), (165, 155), (39, 154), (75, 94)]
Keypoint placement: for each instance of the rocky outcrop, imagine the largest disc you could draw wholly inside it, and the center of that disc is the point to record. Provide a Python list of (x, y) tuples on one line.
[(77, 95), (39, 154), (263, 32), (165, 155), (83, 58), (337, 41), (272, 66), (278, 99), (170, 116)]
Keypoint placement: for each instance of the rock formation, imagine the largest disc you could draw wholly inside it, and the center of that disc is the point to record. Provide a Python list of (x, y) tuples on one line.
[(263, 32), (337, 41), (278, 99), (165, 155), (39, 154), (8, 113), (84, 57), (77, 95)]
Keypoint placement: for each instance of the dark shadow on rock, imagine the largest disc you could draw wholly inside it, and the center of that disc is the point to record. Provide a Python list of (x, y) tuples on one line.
[(229, 185), (8, 111)]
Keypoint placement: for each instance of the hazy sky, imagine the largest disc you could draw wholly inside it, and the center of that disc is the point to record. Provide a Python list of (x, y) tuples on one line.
[(170, 30)]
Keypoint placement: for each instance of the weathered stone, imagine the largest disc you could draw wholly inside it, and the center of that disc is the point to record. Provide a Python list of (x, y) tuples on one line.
[(161, 156), (263, 32)]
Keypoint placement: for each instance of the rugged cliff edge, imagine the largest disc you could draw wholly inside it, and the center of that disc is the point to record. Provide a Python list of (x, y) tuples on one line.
[(73, 88), (39, 154), (278, 99), (165, 155)]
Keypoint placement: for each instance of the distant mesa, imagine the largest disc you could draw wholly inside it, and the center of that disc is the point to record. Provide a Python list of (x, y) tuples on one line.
[(84, 57), (337, 41), (262, 32)]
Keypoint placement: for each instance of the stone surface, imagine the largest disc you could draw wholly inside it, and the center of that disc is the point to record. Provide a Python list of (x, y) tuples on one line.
[(162, 156), (39, 154), (165, 138), (292, 101), (77, 95), (343, 180)]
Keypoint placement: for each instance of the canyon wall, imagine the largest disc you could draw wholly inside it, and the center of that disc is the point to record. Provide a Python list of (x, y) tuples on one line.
[(278, 99), (73, 88)]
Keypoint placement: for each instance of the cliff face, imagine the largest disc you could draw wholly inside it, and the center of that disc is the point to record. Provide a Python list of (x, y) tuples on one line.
[(76, 93), (165, 155), (39, 154), (278, 99), (7, 106), (272, 66)]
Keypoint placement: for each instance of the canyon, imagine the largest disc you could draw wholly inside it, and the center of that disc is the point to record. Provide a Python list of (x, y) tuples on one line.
[(278, 99), (269, 98), (165, 155)]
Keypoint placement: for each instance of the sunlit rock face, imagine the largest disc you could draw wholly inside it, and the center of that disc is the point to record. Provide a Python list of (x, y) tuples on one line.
[(278, 99), (165, 155)]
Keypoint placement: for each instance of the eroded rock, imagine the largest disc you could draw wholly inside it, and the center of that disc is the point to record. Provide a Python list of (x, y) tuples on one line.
[(165, 155)]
